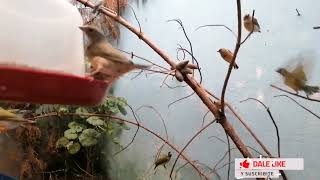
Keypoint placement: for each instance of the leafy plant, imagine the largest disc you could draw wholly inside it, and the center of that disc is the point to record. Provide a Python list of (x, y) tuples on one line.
[(86, 131)]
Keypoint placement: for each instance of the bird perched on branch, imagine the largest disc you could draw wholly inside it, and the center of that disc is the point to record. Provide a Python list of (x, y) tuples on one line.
[(227, 55), (297, 79), (251, 24), (163, 160), (107, 63)]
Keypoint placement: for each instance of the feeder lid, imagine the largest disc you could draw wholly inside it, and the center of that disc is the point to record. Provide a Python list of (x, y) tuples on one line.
[(41, 57)]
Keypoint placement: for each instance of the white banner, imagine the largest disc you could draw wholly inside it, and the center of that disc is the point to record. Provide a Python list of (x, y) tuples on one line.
[(265, 167)]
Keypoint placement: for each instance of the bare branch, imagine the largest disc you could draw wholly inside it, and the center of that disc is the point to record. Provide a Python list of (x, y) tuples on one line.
[(277, 131), (135, 134), (299, 105), (193, 137), (135, 16), (217, 25), (273, 121), (204, 118), (298, 13), (297, 95), (159, 114), (185, 97), (237, 47)]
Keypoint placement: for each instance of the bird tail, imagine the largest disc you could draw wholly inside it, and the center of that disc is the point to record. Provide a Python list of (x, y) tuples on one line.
[(140, 66), (311, 89), (235, 66)]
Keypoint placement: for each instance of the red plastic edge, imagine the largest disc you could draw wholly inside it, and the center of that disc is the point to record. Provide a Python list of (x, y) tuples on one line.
[(31, 85)]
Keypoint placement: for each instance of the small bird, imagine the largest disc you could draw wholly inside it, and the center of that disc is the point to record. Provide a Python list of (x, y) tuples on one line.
[(9, 120), (227, 55), (297, 79), (107, 62), (250, 24), (163, 160)]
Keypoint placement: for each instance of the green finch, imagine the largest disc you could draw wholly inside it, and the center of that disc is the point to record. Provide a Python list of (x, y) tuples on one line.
[(163, 160), (297, 80)]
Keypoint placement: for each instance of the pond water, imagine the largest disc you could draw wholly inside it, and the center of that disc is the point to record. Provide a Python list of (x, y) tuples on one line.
[(284, 36)]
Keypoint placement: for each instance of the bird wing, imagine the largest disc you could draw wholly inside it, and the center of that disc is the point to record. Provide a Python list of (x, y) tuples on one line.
[(255, 22), (112, 54), (162, 160), (298, 73), (229, 51), (6, 114)]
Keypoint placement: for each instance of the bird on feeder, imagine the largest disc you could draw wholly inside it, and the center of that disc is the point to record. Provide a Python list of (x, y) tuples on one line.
[(107, 63)]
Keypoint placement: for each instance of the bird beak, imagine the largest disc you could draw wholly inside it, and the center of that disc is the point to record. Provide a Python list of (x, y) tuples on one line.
[(82, 28), (218, 51), (278, 70)]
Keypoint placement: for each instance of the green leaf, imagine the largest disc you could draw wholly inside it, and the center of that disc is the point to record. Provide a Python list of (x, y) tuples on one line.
[(89, 137), (63, 109), (73, 148), (71, 134), (62, 142), (122, 110), (95, 121), (122, 101), (81, 110), (78, 127), (109, 128)]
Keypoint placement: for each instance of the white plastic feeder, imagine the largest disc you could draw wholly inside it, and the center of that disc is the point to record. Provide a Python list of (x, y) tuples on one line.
[(41, 54)]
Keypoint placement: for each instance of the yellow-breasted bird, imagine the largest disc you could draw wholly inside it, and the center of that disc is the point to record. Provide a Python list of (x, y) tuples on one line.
[(297, 79), (250, 24), (9, 120), (227, 55), (163, 160), (107, 62)]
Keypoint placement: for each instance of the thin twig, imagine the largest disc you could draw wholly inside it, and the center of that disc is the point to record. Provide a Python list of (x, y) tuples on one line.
[(159, 114), (185, 97), (142, 58), (135, 134), (82, 169), (193, 137), (236, 49), (299, 105), (135, 16), (219, 25), (273, 121), (277, 131), (204, 118), (297, 95), (185, 34), (298, 13)]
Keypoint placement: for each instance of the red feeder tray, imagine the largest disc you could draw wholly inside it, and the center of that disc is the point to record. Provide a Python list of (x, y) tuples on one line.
[(49, 87)]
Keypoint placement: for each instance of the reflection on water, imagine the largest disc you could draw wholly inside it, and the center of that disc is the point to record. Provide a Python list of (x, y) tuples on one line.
[(284, 35)]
